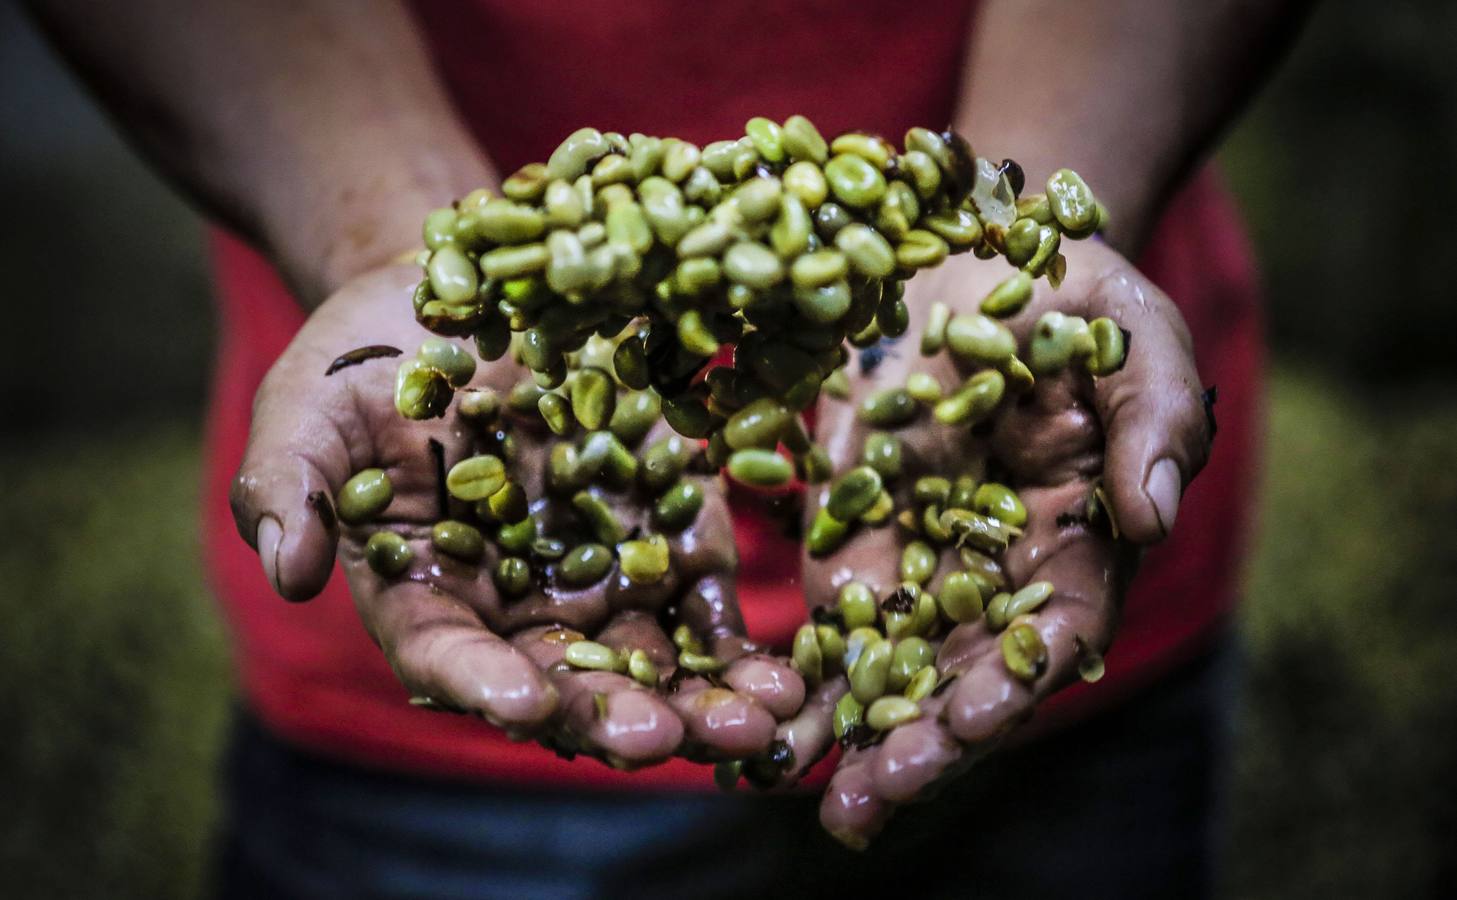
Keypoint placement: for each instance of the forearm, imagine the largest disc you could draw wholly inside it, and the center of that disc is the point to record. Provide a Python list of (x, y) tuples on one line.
[(1130, 93), (315, 128)]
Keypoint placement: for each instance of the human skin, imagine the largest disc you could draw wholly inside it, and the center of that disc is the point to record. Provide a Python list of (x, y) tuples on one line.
[(261, 116)]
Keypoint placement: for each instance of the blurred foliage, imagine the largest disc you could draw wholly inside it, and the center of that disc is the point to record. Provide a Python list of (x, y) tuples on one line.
[(115, 676)]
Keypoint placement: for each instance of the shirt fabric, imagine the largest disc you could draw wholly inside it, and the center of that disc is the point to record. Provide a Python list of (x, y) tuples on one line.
[(524, 75)]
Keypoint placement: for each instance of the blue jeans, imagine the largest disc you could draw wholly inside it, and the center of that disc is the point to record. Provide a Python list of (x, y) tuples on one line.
[(1124, 805)]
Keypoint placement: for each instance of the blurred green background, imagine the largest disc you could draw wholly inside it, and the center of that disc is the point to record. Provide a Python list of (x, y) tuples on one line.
[(115, 678)]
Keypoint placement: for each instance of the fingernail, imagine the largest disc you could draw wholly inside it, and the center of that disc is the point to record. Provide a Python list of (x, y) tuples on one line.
[(1163, 487), (270, 537)]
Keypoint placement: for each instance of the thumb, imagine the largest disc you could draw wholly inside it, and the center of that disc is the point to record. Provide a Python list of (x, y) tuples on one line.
[(1153, 414), (282, 497)]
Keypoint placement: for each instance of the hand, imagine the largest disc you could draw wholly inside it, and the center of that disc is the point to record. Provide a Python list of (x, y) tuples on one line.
[(450, 636), (1143, 431)]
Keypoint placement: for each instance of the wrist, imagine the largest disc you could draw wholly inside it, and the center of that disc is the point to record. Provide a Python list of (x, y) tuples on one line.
[(362, 222)]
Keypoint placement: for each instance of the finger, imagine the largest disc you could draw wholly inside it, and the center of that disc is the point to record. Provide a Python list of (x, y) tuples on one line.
[(295, 462), (769, 681), (723, 723), (608, 714), (851, 810), (1152, 411), (987, 700), (810, 734), (440, 650)]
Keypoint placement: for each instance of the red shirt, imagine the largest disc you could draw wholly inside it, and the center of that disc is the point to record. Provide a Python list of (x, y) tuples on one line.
[(526, 74)]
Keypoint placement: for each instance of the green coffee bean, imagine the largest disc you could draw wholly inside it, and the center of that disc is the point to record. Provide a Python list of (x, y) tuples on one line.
[(856, 605), (458, 539), (979, 340), (1072, 203), (421, 391), (585, 564), (630, 362), (479, 404), (802, 141), (1008, 298), (644, 561), (680, 158), (687, 415), (1110, 347), (1056, 340), (476, 478), (641, 669), (594, 656), (931, 525), (889, 408), (888, 712), (452, 275), (826, 533), (974, 401), (996, 611), (883, 454), (593, 397), (806, 656), (854, 181), (857, 640), (1001, 502), (960, 598), (701, 664), (806, 181), (931, 489), (523, 397), (874, 150), (599, 517), (918, 562), (525, 185), (922, 684), (758, 424), (447, 357), (893, 317), (959, 228), (664, 463), (388, 554), (634, 416), (505, 222), (791, 233), (908, 658), (962, 493), (866, 251), (849, 713), (819, 269), (439, 228), (1024, 652), (854, 494), (556, 412), (695, 336), (514, 262), (678, 507), (982, 532), (921, 249), (573, 156), (516, 537), (1029, 599), (924, 388), (548, 548), (760, 468), (832, 646), (1090, 663), (364, 496), (753, 265), (933, 338), (870, 672), (767, 138), (512, 576), (1019, 378)]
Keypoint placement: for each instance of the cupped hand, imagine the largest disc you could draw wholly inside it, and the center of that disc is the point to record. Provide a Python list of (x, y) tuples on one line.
[(452, 638), (1141, 433)]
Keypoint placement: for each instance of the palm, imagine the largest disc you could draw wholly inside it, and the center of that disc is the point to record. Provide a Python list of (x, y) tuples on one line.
[(450, 635), (1050, 446)]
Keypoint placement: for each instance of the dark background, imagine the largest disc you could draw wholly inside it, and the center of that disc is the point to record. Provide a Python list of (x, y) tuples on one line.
[(114, 678)]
